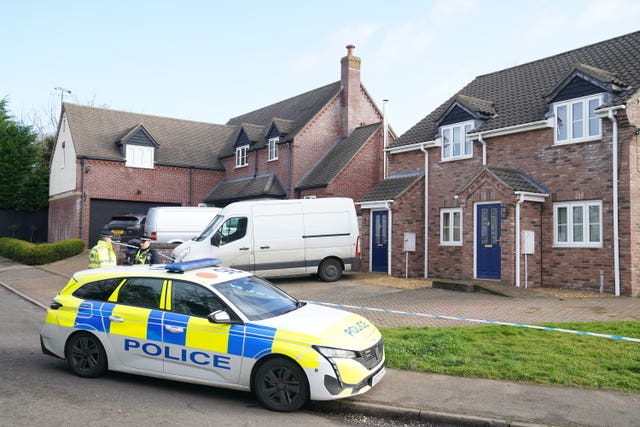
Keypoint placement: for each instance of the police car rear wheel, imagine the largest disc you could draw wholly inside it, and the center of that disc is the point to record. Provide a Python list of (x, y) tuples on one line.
[(86, 356), (281, 385)]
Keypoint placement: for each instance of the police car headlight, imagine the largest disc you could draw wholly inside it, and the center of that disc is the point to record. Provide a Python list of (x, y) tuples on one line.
[(337, 353), (183, 253)]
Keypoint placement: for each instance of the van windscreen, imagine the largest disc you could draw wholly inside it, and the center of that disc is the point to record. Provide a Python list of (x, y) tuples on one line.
[(214, 224)]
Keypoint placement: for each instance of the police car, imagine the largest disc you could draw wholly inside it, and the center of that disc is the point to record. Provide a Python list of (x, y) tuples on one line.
[(201, 323)]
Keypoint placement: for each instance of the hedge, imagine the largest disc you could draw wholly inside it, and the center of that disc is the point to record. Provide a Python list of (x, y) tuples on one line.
[(39, 253)]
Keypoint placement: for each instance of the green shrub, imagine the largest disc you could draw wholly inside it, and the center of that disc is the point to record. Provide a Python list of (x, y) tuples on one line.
[(40, 253)]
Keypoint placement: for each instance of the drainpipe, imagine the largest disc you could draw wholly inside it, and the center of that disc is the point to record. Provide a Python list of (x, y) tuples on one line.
[(384, 138), (426, 211), (82, 172), (289, 163), (616, 233), (520, 200), (484, 149), (389, 240), (191, 186)]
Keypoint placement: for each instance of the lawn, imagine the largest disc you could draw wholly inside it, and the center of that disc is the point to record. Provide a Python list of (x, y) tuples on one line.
[(526, 355)]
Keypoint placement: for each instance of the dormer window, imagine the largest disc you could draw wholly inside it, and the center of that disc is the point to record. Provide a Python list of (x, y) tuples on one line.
[(139, 156), (273, 148), (576, 120), (455, 142), (241, 156)]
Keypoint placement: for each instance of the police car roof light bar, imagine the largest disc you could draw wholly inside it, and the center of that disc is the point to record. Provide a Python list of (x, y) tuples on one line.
[(181, 267)]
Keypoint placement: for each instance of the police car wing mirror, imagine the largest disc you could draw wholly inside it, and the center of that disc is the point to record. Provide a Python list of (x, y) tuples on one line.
[(219, 316)]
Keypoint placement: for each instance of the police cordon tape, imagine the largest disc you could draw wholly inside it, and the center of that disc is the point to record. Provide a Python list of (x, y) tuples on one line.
[(489, 322)]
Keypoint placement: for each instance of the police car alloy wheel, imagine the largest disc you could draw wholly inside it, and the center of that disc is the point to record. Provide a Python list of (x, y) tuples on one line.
[(86, 356), (280, 385)]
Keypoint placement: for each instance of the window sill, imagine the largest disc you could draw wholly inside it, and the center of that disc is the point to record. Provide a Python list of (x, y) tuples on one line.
[(453, 159), (577, 141), (577, 246)]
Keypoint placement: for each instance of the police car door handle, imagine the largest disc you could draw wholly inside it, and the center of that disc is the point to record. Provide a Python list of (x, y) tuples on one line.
[(244, 248), (174, 329), (265, 247), (116, 319)]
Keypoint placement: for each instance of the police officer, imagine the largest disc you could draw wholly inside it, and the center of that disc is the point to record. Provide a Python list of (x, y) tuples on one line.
[(102, 254), (144, 254)]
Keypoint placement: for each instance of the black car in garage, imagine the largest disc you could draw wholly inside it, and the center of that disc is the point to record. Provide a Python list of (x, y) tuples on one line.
[(126, 226)]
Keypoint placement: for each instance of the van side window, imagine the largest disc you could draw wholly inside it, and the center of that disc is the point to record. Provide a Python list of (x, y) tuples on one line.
[(233, 229)]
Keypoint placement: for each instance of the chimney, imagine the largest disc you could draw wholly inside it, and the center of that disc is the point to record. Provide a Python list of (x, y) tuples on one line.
[(350, 79)]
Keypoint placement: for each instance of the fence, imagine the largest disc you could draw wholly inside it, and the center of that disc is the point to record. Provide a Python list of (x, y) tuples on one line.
[(29, 226)]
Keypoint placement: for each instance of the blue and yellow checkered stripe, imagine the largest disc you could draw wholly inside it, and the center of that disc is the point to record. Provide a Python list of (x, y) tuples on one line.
[(252, 341)]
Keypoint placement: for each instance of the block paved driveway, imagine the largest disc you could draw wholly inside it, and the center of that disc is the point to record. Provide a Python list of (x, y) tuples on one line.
[(528, 309)]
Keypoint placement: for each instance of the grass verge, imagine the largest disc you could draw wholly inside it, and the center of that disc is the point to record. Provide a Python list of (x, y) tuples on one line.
[(525, 355)]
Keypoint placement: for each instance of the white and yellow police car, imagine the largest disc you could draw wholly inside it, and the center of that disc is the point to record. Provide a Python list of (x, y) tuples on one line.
[(200, 323)]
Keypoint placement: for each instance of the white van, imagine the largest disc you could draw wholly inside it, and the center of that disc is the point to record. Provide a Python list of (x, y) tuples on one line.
[(275, 238), (177, 224)]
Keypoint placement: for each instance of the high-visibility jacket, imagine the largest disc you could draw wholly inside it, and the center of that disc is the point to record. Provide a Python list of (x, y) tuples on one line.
[(146, 256), (102, 255)]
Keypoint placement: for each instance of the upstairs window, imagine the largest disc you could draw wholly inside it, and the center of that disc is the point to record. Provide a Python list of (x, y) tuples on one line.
[(576, 120), (455, 142), (273, 148), (241, 156), (139, 156)]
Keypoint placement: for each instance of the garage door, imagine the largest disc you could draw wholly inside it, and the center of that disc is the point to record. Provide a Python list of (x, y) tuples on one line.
[(102, 211)]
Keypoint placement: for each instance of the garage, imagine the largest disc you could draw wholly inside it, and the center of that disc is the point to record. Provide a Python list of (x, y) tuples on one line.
[(102, 210)]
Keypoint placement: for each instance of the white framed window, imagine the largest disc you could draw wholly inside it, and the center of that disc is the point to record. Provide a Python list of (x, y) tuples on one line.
[(576, 120), (273, 148), (139, 156), (455, 142), (241, 156), (451, 227), (578, 224)]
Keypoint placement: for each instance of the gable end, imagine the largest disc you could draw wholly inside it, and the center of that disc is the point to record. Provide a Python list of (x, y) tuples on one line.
[(456, 115), (577, 88)]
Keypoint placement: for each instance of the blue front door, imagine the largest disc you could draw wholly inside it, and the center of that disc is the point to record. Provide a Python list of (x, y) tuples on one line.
[(379, 241), (488, 241)]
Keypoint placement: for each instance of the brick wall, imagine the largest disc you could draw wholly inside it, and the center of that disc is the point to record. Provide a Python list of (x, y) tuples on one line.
[(571, 173), (113, 181)]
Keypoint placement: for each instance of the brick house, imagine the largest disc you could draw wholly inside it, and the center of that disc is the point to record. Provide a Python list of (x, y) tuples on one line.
[(529, 176), (325, 142)]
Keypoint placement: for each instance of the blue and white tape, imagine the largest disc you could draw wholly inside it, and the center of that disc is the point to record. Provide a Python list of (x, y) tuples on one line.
[(489, 322)]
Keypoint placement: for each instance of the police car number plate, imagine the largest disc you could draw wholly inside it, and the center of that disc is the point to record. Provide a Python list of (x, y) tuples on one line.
[(377, 377), (117, 231)]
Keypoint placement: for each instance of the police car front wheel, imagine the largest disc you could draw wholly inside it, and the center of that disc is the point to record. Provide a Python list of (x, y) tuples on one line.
[(86, 356), (281, 385)]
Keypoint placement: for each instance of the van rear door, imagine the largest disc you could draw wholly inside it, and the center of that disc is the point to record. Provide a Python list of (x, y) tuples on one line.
[(278, 242)]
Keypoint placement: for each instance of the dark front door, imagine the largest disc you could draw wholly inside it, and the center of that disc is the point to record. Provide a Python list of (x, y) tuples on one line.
[(488, 241), (379, 241)]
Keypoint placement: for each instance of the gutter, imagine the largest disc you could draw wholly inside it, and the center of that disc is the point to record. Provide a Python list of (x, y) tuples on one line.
[(524, 127), (610, 113)]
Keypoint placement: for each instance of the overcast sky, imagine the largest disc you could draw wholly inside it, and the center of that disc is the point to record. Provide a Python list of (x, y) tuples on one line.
[(212, 60)]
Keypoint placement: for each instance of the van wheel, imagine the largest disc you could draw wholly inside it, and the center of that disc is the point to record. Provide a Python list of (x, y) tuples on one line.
[(86, 356), (281, 385), (330, 270)]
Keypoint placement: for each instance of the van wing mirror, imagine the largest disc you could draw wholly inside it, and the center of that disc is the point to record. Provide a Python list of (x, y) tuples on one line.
[(216, 238)]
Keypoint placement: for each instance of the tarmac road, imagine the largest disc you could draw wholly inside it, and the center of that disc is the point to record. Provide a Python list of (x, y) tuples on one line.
[(437, 399)]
